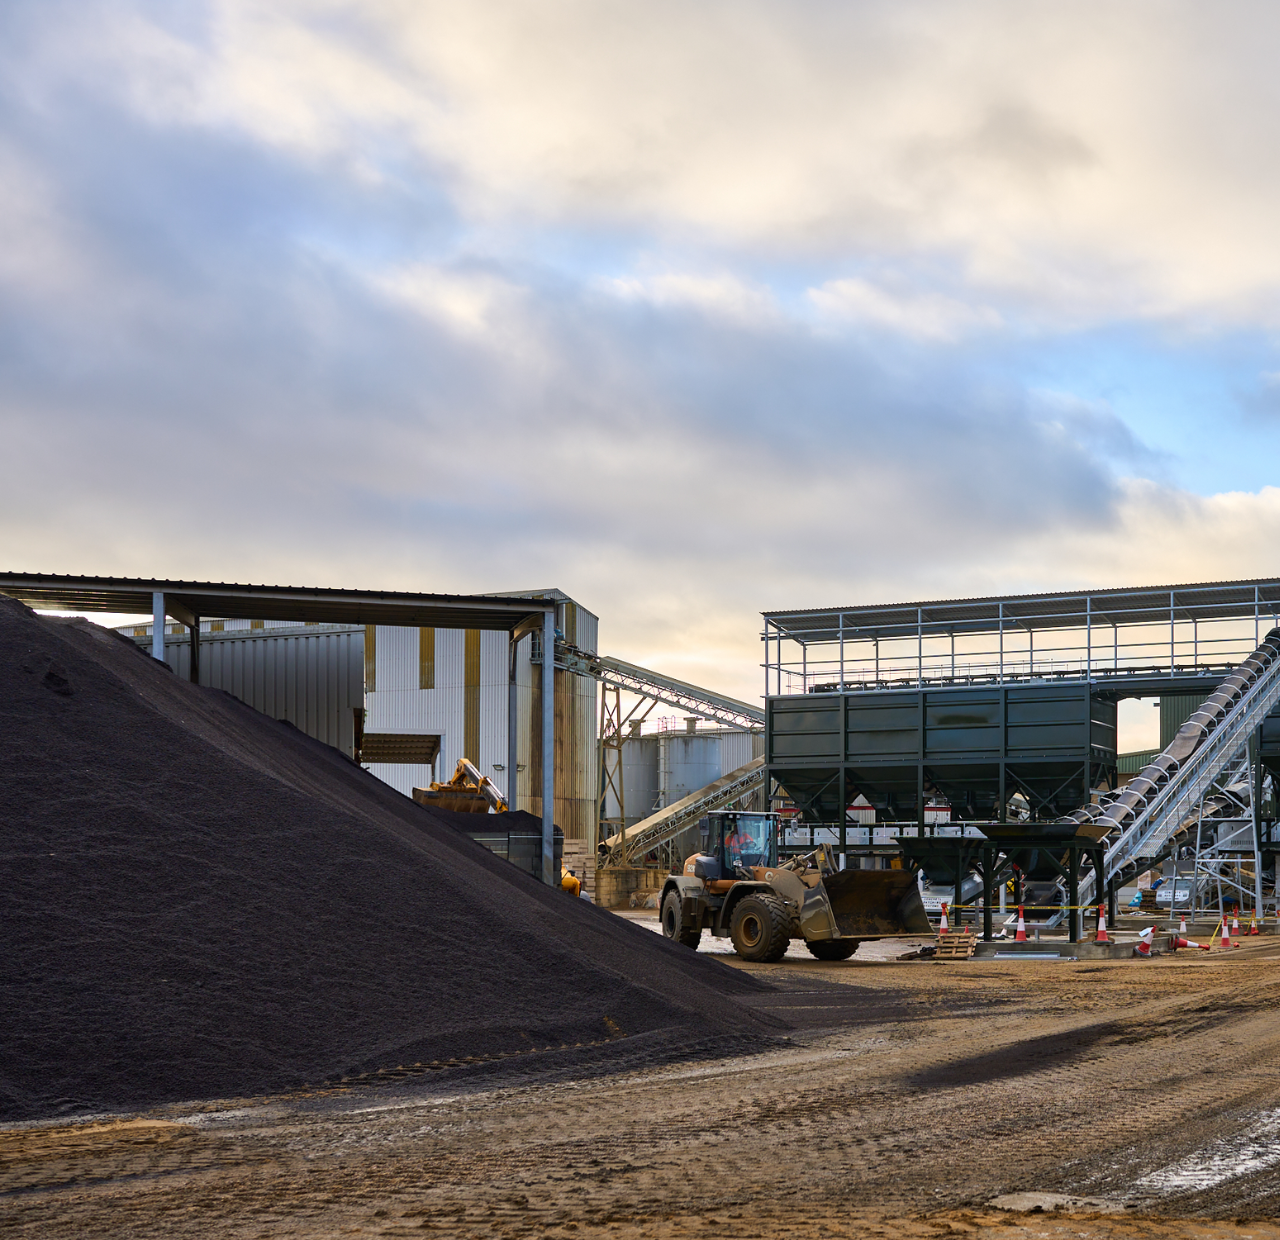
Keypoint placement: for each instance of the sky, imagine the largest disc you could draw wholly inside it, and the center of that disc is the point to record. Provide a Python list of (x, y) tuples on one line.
[(692, 311)]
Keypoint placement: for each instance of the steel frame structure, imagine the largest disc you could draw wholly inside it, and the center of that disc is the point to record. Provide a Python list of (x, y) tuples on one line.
[(187, 601), (1122, 637)]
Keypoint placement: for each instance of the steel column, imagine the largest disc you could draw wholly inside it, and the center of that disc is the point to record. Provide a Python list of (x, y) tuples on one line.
[(1088, 638), (194, 671), (987, 861), (1074, 919), (1001, 614), (1255, 797), (844, 801), (549, 747), (157, 626), (513, 728)]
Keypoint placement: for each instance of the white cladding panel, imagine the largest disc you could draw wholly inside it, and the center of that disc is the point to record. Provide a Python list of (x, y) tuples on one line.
[(586, 629), (397, 704)]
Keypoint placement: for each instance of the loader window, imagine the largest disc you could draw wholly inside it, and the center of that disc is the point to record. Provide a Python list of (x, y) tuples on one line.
[(746, 841)]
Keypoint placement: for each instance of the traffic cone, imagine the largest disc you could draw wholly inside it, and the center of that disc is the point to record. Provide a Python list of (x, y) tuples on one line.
[(1235, 921), (1253, 924), (1182, 925), (1021, 936), (942, 924), (1143, 946), (1179, 941), (1101, 935), (1225, 940)]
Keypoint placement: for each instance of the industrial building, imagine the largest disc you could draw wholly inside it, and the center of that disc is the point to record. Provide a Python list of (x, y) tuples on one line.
[(410, 702), (433, 696), (972, 701), (191, 604), (1004, 710)]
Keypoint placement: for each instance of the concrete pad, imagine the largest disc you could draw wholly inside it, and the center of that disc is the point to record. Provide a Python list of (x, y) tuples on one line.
[(1121, 950)]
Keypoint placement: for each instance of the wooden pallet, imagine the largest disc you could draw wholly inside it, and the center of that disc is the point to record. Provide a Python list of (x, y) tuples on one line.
[(956, 946)]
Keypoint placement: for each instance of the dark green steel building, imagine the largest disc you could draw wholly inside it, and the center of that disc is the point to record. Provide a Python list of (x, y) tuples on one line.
[(972, 702)]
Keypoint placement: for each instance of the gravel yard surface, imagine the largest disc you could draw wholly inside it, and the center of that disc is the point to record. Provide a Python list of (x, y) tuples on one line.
[(1094, 1099)]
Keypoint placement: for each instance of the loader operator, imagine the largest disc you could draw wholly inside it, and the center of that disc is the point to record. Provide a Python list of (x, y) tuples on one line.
[(743, 848)]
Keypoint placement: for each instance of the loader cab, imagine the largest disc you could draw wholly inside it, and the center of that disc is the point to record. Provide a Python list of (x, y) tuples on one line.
[(742, 840)]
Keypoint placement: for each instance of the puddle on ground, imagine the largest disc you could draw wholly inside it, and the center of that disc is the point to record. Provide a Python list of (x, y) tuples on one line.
[(1036, 1203), (1255, 1149)]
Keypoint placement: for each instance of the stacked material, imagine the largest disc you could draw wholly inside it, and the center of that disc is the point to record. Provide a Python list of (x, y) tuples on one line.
[(201, 901)]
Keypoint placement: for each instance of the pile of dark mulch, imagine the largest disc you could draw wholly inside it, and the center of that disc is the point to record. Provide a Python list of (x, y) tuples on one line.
[(202, 902)]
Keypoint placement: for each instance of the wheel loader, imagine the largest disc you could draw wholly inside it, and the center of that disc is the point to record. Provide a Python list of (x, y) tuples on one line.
[(737, 889)]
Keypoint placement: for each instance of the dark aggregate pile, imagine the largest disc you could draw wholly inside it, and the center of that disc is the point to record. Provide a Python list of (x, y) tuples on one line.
[(201, 902)]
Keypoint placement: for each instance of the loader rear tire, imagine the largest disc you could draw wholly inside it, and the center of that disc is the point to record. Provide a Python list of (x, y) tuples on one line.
[(833, 949), (759, 927), (671, 923)]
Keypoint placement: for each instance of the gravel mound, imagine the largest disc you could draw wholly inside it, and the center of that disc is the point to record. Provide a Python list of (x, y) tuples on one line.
[(202, 902)]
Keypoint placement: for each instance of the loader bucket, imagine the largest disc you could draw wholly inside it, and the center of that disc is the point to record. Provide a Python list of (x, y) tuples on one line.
[(877, 904)]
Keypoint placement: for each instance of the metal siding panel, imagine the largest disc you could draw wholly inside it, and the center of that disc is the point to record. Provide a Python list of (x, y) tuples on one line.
[(1175, 710), (314, 679), (588, 631), (404, 778), (735, 750), (450, 657)]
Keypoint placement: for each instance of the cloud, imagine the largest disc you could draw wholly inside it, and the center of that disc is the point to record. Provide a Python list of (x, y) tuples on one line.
[(691, 311), (1034, 149), (931, 316)]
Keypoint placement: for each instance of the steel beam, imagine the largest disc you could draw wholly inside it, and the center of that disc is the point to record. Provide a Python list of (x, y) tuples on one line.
[(549, 747), (513, 729), (157, 625)]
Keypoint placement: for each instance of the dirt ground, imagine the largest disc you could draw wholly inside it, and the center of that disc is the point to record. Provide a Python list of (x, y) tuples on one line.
[(1138, 1099)]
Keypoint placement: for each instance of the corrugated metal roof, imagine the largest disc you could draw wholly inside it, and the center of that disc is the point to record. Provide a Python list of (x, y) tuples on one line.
[(264, 602), (1068, 609)]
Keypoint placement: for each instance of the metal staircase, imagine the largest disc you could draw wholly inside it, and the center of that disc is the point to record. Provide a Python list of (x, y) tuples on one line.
[(656, 830), (1161, 801)]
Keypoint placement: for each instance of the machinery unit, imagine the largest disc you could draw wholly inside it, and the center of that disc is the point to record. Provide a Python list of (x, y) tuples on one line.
[(737, 889), (468, 792)]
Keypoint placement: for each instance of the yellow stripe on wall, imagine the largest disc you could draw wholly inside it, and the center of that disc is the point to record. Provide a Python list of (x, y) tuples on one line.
[(471, 695), (426, 658)]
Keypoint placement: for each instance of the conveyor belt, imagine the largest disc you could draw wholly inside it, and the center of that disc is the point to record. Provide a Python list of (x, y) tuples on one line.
[(1139, 821), (667, 823)]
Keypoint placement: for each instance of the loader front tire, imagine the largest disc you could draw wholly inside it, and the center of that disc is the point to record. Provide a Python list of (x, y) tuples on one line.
[(671, 923), (833, 949), (758, 928)]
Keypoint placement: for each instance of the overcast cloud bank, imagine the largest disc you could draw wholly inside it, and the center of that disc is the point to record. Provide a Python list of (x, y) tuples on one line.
[(692, 311)]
